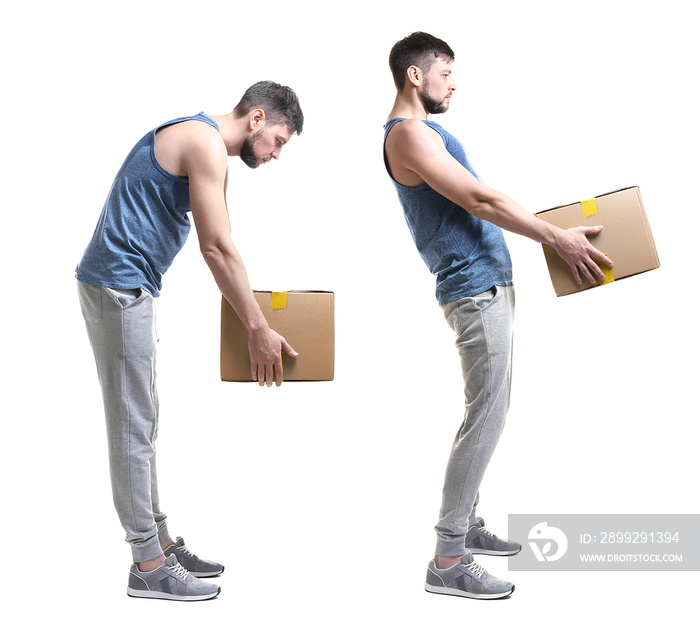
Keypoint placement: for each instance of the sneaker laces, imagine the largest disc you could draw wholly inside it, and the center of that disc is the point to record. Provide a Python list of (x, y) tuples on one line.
[(178, 571), (187, 551), (486, 532), (475, 569)]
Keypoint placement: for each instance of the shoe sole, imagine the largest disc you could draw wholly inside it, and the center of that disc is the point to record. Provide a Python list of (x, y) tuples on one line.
[(170, 597), (499, 553), (435, 589), (206, 575)]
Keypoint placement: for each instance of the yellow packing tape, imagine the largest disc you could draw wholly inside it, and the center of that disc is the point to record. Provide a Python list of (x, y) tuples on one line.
[(589, 207), (278, 301), (609, 277)]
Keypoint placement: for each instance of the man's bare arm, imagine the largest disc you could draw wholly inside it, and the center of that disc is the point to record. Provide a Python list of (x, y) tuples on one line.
[(418, 152), (206, 164)]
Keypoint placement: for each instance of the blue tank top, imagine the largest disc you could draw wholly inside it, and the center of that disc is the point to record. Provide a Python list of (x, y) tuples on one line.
[(467, 255), (144, 222)]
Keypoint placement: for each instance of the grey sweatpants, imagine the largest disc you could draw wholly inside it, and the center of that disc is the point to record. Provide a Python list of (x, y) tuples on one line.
[(121, 327), (484, 332)]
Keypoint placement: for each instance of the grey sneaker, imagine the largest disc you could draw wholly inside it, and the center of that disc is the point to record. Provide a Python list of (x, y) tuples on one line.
[(194, 565), (468, 579), (170, 581), (480, 541)]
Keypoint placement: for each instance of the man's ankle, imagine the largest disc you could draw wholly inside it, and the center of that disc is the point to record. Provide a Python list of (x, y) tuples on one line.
[(150, 564), (443, 562)]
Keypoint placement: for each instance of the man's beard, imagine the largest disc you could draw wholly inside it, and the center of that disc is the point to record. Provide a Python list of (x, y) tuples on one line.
[(432, 105), (248, 155)]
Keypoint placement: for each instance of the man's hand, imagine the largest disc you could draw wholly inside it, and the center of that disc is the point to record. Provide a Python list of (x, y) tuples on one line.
[(265, 347), (573, 247)]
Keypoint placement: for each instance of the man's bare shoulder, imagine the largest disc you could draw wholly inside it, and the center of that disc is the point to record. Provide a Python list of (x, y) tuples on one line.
[(413, 133), (410, 142), (196, 135), (408, 126), (411, 147), (190, 145)]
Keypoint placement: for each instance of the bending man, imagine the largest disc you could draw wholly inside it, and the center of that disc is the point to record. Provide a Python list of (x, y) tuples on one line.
[(177, 168)]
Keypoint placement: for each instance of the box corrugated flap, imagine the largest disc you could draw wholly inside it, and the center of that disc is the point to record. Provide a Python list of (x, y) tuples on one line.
[(306, 319), (626, 237)]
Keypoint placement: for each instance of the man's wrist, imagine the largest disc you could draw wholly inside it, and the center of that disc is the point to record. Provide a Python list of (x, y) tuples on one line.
[(256, 325), (551, 235)]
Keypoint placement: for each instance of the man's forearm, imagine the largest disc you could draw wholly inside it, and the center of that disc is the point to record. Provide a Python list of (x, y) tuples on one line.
[(501, 210), (232, 279)]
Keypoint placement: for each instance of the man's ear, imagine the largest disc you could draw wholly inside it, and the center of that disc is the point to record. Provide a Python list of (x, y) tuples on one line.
[(414, 75), (257, 119)]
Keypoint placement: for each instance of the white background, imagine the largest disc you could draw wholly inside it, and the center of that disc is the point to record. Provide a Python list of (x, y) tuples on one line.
[(320, 498)]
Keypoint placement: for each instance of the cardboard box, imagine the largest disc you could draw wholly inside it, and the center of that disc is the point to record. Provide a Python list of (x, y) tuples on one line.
[(626, 237), (305, 318)]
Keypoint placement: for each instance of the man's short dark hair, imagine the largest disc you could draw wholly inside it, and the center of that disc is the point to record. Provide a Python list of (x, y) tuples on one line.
[(279, 103), (420, 50)]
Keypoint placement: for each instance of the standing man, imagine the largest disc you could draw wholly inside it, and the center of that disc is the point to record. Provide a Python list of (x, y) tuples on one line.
[(456, 222), (179, 167)]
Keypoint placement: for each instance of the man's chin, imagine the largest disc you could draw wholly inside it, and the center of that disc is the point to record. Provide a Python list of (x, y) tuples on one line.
[(250, 163)]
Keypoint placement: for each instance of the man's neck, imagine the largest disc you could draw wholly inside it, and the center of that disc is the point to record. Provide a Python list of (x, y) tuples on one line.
[(408, 107), (233, 132)]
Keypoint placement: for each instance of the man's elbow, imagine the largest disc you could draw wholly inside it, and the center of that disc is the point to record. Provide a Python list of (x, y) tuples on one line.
[(483, 205), (216, 254), (479, 207)]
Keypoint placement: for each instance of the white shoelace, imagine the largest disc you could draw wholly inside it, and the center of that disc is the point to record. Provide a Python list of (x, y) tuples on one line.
[(485, 531), (178, 571), (475, 569), (187, 551)]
